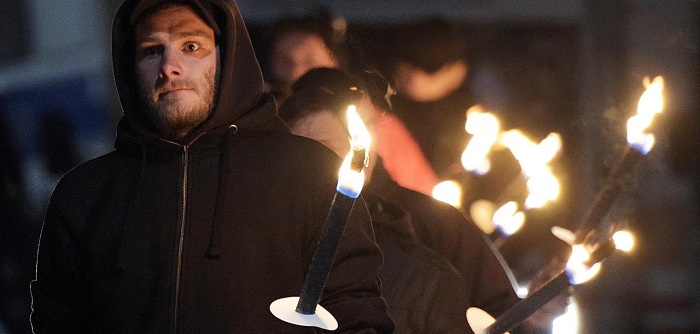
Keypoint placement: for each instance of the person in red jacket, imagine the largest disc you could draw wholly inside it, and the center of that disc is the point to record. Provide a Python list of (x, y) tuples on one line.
[(299, 44), (208, 209)]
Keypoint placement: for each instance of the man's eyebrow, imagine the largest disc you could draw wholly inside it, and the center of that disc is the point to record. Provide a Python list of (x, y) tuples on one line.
[(193, 33), (179, 34)]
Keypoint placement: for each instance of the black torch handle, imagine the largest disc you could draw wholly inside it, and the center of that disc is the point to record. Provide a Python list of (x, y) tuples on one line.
[(325, 254), (606, 196), (526, 307), (601, 253), (522, 310)]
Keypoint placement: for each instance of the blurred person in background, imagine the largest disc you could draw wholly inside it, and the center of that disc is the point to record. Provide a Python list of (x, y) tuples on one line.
[(297, 45), (430, 76), (294, 45), (463, 261)]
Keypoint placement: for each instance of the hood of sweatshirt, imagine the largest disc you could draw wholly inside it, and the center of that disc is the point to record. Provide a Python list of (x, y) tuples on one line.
[(239, 96)]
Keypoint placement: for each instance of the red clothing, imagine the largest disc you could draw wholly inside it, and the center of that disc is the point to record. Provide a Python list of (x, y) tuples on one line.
[(402, 157)]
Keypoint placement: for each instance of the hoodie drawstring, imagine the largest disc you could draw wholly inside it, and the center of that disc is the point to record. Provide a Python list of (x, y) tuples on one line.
[(214, 251)]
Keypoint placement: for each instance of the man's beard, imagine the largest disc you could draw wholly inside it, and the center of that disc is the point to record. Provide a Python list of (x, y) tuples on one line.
[(174, 120)]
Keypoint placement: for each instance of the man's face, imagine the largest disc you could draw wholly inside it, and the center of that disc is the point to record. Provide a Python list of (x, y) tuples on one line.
[(296, 53), (176, 68)]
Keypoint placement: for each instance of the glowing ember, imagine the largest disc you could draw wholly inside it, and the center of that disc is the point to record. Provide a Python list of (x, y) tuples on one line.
[(449, 192), (485, 129)]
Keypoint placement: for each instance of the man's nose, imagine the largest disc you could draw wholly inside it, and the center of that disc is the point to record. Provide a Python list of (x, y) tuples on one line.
[(171, 65)]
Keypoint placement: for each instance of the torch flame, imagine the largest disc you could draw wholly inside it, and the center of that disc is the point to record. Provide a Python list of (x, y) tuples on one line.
[(351, 181), (549, 147), (650, 103), (359, 135), (577, 269), (485, 128), (449, 192), (534, 158), (508, 219), (543, 188), (624, 241), (531, 156)]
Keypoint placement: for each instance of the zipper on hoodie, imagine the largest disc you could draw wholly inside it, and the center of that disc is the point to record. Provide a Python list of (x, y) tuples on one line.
[(181, 237)]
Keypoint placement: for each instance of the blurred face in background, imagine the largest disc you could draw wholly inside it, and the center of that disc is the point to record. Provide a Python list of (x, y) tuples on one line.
[(326, 127), (295, 53), (423, 86)]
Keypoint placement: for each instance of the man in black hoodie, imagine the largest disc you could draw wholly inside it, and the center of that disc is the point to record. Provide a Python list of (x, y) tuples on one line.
[(208, 210)]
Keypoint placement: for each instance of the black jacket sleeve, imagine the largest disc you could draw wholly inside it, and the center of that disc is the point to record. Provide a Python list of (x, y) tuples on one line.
[(56, 294)]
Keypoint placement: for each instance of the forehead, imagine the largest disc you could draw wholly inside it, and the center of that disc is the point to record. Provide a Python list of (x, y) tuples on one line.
[(172, 20), (321, 124)]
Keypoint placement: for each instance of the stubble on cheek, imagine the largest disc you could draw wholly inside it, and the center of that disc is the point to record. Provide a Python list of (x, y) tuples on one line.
[(173, 118)]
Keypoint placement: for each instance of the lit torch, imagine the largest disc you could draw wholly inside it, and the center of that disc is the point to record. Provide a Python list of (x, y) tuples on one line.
[(639, 144), (534, 159), (449, 192), (304, 310), (484, 128), (507, 220), (543, 187), (582, 265)]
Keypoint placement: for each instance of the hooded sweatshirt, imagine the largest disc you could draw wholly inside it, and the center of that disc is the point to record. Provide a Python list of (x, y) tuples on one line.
[(203, 235)]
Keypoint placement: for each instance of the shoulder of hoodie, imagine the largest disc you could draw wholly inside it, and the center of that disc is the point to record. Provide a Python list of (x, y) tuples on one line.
[(84, 186), (287, 148), (90, 173), (284, 150)]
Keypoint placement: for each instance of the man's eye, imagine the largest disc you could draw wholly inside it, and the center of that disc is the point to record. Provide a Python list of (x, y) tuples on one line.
[(192, 47), (151, 51)]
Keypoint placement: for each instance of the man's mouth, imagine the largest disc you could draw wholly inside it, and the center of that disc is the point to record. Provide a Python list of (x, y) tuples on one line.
[(167, 91)]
